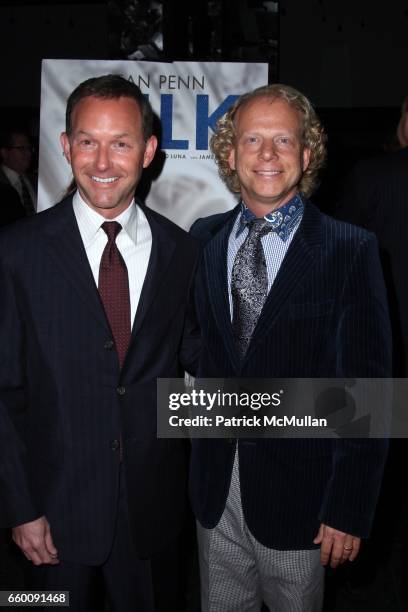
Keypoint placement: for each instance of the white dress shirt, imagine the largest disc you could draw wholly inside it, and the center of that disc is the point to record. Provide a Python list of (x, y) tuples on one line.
[(134, 242)]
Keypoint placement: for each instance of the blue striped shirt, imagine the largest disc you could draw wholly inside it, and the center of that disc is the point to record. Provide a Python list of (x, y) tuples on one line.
[(274, 248)]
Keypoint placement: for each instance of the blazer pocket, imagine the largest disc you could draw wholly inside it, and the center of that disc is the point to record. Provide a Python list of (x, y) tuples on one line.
[(306, 310)]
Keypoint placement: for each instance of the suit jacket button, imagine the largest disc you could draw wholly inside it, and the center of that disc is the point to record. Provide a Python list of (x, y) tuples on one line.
[(109, 344), (120, 390), (115, 444)]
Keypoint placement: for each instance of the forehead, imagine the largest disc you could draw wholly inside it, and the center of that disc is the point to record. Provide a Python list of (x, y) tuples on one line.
[(269, 114), (92, 110)]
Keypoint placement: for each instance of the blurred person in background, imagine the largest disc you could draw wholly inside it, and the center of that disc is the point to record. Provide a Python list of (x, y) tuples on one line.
[(16, 155)]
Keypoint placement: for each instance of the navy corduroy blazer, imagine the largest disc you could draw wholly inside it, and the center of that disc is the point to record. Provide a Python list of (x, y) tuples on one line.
[(325, 316)]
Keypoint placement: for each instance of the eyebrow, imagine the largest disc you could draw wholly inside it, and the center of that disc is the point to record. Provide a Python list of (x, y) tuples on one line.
[(85, 133), (258, 132)]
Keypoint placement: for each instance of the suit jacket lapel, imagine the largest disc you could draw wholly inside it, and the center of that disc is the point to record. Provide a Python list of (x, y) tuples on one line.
[(298, 263), (160, 256), (215, 262), (67, 251)]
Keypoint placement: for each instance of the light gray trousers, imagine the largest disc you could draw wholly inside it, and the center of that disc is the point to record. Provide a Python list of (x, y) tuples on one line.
[(238, 573)]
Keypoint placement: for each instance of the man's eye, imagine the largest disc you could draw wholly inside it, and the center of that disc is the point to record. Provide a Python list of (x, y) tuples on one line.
[(252, 139), (121, 145), (85, 142), (284, 140)]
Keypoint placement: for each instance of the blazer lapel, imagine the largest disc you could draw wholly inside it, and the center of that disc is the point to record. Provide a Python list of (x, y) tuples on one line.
[(298, 263), (215, 262), (67, 251), (160, 256)]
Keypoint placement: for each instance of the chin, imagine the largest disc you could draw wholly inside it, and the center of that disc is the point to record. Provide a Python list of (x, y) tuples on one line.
[(105, 202)]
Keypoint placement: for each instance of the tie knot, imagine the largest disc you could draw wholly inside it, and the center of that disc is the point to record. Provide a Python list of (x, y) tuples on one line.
[(259, 227), (112, 229)]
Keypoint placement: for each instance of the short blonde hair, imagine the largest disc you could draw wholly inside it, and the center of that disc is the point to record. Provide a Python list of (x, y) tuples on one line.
[(313, 135)]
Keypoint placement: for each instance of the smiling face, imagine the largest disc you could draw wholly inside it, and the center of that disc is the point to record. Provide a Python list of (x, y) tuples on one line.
[(268, 155), (107, 152)]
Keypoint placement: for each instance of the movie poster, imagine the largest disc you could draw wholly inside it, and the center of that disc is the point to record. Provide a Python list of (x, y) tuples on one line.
[(188, 99)]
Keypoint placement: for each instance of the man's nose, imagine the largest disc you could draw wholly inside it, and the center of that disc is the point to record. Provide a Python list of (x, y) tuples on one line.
[(102, 158), (268, 150)]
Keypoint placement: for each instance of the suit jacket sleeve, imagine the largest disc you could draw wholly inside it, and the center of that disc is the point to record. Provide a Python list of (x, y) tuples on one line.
[(189, 352), (363, 350), (16, 499)]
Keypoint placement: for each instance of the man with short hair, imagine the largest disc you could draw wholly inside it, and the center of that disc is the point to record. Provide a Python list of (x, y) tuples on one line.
[(282, 291), (16, 157), (94, 308)]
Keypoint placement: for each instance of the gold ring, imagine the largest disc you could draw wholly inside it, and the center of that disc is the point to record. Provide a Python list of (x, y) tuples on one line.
[(345, 548)]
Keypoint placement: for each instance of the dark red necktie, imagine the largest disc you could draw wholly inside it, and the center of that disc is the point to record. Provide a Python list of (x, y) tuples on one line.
[(113, 288)]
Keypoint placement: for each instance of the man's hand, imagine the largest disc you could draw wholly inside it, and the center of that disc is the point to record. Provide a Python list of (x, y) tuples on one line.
[(35, 540), (336, 546)]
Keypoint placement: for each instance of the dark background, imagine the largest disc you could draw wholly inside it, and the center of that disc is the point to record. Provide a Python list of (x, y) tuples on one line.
[(348, 57)]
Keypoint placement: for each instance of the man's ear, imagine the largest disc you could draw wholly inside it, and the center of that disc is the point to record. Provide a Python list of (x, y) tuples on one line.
[(231, 158), (306, 158), (66, 147), (150, 150)]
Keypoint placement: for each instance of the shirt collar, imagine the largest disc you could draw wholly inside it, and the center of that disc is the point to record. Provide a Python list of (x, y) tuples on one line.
[(283, 220), (89, 221)]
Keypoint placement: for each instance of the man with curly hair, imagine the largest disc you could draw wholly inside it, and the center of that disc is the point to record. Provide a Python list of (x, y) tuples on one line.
[(282, 291)]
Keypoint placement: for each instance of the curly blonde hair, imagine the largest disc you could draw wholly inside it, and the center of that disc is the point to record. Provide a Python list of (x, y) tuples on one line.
[(313, 135)]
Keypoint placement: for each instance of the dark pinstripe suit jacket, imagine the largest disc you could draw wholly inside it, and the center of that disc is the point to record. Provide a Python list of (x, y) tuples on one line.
[(325, 316), (63, 399)]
